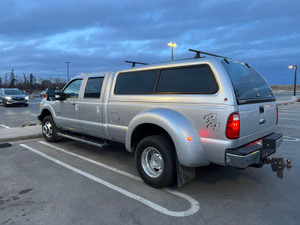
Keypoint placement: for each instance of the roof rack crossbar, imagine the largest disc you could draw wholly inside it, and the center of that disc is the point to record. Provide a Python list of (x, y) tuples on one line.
[(133, 63), (197, 55)]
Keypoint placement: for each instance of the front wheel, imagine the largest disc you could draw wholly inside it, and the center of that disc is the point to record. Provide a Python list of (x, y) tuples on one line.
[(49, 129), (155, 160)]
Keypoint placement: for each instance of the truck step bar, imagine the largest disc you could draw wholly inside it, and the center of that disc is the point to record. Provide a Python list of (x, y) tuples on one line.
[(83, 140)]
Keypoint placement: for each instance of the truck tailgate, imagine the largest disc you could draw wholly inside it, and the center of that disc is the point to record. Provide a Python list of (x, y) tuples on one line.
[(256, 118)]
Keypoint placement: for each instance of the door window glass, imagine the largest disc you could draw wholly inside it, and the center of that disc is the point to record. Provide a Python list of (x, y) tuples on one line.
[(72, 91), (93, 87)]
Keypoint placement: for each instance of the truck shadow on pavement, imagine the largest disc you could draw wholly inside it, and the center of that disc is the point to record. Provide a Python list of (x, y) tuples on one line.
[(215, 173)]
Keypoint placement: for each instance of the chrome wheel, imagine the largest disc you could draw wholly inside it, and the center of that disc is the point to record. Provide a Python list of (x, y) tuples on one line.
[(152, 162), (47, 129)]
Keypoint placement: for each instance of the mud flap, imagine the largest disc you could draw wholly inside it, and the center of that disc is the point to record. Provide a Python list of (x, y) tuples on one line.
[(184, 174)]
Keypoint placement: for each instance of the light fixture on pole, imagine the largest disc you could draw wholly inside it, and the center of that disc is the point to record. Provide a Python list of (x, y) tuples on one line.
[(68, 70), (173, 45), (295, 80)]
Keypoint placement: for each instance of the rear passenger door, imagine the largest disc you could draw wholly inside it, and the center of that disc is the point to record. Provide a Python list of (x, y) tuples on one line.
[(91, 107)]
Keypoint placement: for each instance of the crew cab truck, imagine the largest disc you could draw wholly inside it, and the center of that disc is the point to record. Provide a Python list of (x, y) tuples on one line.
[(174, 116)]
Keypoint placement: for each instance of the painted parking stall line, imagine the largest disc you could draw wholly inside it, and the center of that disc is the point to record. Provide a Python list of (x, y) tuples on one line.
[(286, 138), (289, 111), (291, 119), (289, 126), (93, 161), (192, 210), (182, 195), (4, 126), (288, 114)]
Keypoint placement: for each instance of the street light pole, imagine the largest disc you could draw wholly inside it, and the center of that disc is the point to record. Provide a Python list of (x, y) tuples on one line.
[(68, 70), (173, 45), (295, 80)]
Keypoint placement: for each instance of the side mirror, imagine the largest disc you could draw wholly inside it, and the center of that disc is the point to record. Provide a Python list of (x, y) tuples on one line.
[(50, 94), (58, 92)]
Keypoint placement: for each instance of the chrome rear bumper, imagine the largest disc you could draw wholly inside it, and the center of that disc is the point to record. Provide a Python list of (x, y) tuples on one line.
[(253, 153)]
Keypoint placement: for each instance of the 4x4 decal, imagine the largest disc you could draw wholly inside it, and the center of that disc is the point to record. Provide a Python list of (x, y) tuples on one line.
[(211, 121)]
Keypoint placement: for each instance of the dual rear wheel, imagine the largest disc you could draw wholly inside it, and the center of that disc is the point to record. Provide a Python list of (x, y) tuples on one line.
[(155, 161)]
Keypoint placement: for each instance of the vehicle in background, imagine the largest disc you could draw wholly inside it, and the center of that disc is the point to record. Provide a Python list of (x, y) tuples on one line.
[(13, 96)]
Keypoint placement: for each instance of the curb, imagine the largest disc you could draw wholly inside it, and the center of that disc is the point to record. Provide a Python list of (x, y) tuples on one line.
[(21, 138), (31, 124), (284, 103)]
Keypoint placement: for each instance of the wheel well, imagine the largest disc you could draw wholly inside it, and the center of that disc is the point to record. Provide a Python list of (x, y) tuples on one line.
[(145, 130), (44, 113)]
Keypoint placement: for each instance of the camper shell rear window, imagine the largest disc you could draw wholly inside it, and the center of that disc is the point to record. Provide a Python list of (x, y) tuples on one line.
[(248, 84)]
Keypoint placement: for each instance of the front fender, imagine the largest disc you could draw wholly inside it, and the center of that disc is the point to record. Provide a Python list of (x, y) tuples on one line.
[(48, 107), (189, 152)]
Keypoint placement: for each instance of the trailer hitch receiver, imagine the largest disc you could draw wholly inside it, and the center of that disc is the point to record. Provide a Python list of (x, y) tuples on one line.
[(278, 165)]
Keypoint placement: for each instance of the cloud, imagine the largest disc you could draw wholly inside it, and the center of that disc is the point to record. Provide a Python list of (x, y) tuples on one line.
[(39, 36)]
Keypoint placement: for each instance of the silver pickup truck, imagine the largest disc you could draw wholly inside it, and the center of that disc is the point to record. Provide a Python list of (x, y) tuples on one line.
[(174, 116)]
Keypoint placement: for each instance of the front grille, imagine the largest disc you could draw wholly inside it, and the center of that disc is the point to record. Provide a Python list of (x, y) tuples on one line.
[(18, 99)]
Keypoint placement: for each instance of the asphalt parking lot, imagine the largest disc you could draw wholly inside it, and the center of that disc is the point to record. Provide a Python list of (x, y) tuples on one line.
[(16, 116), (72, 183)]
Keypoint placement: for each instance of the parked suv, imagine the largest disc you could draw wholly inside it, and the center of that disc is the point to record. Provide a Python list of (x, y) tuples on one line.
[(13, 96), (174, 116)]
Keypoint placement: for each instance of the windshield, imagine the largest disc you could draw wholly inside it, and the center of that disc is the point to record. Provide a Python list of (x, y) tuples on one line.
[(13, 92), (249, 85)]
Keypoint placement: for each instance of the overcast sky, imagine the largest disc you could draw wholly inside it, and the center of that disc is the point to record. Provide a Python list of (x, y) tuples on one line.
[(39, 36)]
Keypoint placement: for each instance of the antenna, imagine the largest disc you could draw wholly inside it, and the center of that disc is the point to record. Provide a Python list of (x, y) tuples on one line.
[(133, 63), (197, 55)]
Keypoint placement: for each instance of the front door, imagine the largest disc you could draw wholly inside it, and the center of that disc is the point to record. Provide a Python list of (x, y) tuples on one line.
[(68, 110)]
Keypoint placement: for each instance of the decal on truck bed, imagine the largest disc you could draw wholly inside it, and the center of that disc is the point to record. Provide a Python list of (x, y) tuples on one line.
[(211, 121)]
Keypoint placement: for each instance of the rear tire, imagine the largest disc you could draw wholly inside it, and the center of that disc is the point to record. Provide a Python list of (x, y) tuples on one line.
[(155, 161), (49, 129)]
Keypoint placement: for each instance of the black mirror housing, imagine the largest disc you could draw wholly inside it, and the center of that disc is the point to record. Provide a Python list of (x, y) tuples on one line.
[(50, 94)]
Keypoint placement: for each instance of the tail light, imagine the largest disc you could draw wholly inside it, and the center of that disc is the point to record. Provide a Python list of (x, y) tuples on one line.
[(277, 115), (233, 126)]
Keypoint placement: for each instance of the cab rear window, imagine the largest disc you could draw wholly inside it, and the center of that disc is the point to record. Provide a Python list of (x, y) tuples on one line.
[(141, 82)]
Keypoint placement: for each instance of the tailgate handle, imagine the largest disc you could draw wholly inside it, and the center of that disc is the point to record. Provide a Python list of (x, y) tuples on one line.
[(262, 121)]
